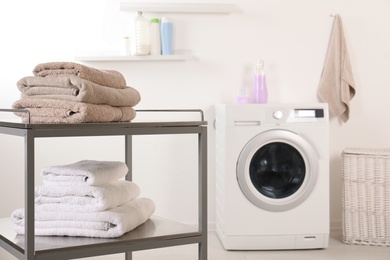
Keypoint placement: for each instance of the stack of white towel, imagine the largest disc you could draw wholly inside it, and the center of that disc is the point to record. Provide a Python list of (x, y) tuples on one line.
[(87, 198)]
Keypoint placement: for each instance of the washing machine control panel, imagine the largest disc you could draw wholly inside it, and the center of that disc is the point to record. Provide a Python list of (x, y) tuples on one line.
[(282, 115)]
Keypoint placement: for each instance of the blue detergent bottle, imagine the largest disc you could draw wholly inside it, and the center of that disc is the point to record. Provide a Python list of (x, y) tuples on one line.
[(166, 36), (260, 91)]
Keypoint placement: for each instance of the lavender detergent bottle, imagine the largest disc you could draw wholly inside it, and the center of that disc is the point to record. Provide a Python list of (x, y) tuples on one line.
[(260, 92)]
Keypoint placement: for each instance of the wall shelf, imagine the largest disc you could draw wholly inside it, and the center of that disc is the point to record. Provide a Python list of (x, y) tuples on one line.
[(102, 56), (161, 7), (179, 7)]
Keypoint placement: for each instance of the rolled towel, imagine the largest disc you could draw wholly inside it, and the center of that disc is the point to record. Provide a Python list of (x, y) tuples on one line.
[(73, 88), (88, 172), (108, 78), (60, 111), (106, 224), (85, 198)]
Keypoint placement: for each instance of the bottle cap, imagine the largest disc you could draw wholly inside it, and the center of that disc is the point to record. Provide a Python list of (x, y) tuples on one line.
[(154, 20), (260, 64), (166, 20)]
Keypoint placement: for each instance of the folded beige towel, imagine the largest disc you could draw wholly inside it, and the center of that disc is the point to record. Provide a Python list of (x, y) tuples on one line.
[(108, 78), (59, 111), (74, 88), (337, 85)]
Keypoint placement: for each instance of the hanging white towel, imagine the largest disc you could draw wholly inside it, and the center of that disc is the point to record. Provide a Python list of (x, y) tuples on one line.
[(87, 172), (106, 224), (337, 85), (85, 198)]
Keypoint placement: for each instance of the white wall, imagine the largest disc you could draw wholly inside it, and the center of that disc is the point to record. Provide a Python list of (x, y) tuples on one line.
[(291, 36)]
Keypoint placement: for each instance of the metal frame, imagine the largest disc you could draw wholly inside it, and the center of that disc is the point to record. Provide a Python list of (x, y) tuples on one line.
[(128, 129)]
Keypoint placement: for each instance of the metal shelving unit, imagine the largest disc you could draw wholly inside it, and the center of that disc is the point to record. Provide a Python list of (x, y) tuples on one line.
[(157, 232)]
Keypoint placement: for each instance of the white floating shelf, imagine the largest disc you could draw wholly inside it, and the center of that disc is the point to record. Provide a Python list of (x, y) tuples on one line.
[(179, 7), (101, 56)]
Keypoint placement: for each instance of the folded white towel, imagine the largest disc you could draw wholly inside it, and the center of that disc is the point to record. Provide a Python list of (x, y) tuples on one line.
[(85, 198), (106, 224), (89, 172)]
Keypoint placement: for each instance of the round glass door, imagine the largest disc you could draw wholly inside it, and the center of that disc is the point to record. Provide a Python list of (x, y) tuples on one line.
[(277, 170)]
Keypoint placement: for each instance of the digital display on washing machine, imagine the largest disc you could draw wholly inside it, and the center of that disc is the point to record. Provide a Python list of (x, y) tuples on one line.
[(309, 113)]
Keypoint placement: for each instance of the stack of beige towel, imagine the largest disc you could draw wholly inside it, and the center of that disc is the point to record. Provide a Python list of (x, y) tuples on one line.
[(88, 198), (68, 92)]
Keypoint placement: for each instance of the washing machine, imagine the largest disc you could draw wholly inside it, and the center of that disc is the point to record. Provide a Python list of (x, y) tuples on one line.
[(272, 176)]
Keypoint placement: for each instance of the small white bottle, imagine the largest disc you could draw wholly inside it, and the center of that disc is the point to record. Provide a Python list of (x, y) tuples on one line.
[(140, 39), (155, 37), (126, 46)]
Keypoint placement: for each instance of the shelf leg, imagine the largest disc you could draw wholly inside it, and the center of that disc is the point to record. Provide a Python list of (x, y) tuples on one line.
[(29, 228), (129, 255), (129, 176), (202, 191), (128, 156)]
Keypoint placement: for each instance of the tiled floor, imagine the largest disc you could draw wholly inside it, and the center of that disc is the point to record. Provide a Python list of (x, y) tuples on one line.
[(336, 250)]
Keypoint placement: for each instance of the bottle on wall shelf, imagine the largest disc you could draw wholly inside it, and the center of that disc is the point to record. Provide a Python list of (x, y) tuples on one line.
[(126, 46), (166, 36), (155, 40), (260, 91), (140, 38)]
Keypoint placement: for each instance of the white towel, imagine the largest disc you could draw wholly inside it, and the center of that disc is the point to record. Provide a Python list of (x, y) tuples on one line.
[(87, 172), (106, 224), (85, 198), (337, 85)]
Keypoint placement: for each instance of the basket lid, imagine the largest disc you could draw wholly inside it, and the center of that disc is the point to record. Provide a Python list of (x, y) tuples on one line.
[(367, 151)]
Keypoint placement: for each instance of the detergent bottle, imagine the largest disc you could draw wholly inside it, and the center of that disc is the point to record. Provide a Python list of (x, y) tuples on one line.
[(260, 91)]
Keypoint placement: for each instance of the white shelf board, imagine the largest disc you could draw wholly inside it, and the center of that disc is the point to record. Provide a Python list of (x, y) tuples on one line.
[(102, 56), (179, 7)]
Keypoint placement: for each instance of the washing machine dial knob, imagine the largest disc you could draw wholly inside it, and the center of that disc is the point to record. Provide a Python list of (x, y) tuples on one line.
[(278, 114)]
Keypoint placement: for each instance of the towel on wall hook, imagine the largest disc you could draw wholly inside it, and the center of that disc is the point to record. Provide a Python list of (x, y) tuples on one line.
[(337, 85)]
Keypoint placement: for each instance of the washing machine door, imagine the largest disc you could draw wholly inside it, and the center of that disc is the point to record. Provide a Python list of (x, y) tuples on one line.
[(277, 170)]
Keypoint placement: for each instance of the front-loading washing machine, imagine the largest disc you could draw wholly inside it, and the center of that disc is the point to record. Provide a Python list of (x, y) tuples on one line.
[(272, 176)]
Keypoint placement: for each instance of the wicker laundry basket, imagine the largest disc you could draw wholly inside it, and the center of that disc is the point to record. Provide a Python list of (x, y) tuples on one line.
[(366, 196)]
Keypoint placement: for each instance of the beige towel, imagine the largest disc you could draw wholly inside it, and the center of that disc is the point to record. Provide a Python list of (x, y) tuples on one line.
[(108, 78), (337, 86), (59, 111), (74, 88)]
